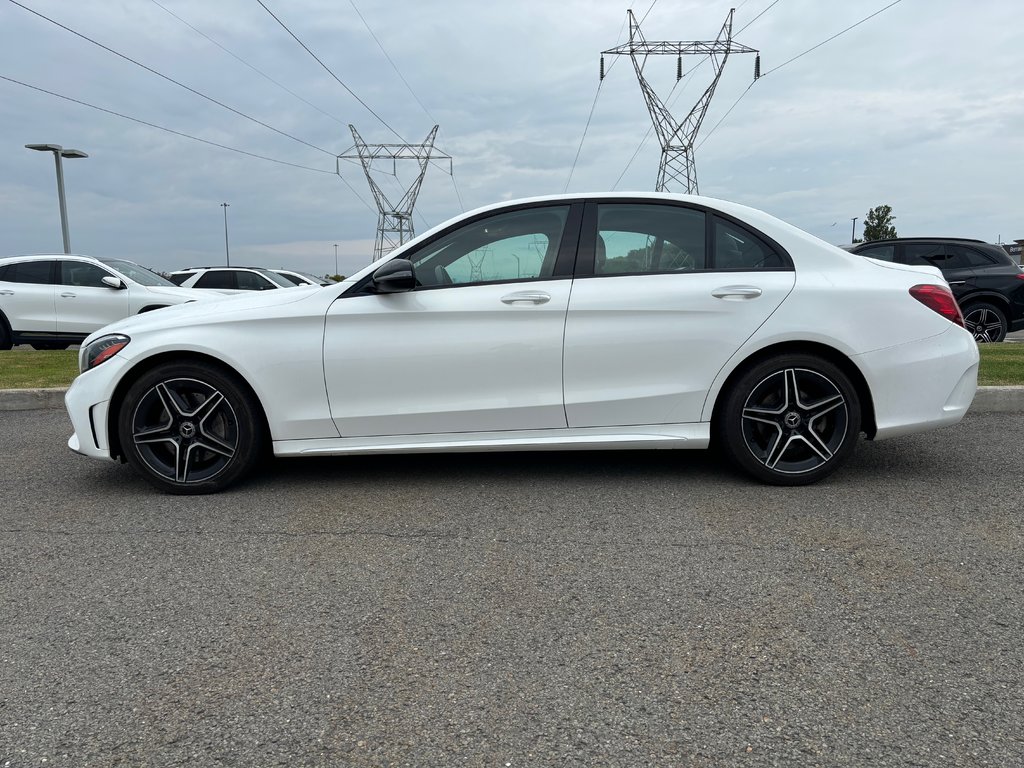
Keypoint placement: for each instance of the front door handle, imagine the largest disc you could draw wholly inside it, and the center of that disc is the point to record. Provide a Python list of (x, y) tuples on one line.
[(6, 293), (530, 297), (736, 292), (67, 295)]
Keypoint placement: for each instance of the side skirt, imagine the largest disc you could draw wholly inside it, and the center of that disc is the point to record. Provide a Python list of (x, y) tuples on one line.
[(581, 439)]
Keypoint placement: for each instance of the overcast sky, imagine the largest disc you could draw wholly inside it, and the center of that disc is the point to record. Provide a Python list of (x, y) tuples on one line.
[(921, 107)]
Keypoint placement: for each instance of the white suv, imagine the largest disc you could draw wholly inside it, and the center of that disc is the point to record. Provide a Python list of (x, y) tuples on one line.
[(53, 301), (230, 279)]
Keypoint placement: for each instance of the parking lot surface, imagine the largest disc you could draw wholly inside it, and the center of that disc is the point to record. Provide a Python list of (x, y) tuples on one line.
[(643, 608)]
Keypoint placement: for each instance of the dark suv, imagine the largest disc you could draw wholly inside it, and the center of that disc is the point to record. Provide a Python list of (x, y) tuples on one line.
[(987, 282)]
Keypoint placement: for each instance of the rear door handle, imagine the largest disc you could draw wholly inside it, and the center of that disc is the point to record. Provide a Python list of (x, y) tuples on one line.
[(68, 295), (6, 293), (529, 297), (736, 292), (957, 282)]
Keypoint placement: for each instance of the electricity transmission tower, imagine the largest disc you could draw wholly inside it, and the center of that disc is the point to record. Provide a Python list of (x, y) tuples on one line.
[(677, 137), (394, 220)]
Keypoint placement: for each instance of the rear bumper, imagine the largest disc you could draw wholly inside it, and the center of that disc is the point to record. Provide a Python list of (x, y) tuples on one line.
[(922, 385)]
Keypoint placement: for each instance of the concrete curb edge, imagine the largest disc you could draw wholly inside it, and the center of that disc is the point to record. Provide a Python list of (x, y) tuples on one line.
[(987, 400)]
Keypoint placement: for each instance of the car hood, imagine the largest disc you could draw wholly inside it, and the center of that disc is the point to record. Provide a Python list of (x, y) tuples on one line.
[(182, 294), (198, 312)]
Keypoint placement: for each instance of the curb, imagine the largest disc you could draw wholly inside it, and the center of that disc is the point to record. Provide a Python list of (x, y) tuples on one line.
[(987, 399), (31, 399)]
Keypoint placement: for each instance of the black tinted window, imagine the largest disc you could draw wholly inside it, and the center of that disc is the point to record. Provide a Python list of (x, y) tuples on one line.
[(737, 248), (880, 252), (179, 279), (935, 255), (972, 257), (29, 272), (250, 281), (649, 238), (515, 245), (82, 274), (218, 279)]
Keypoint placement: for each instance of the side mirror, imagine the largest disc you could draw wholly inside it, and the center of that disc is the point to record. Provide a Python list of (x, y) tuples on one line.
[(395, 276), (113, 282)]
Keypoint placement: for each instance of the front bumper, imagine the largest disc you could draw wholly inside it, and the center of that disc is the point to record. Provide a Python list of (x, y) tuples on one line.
[(88, 404)]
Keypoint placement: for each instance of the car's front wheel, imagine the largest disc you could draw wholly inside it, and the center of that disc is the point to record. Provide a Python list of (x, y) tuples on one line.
[(986, 321), (790, 420), (190, 428)]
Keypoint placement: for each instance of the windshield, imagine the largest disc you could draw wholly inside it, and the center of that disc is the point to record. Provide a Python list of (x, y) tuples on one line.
[(137, 273), (275, 278)]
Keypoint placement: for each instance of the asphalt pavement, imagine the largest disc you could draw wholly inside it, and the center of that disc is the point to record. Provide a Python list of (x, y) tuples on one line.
[(580, 609)]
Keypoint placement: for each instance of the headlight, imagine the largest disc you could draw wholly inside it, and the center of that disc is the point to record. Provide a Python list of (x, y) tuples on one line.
[(101, 350)]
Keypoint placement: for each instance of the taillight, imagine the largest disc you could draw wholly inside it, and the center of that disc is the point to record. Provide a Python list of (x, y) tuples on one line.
[(941, 300)]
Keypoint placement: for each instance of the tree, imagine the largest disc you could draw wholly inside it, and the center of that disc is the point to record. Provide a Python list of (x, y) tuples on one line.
[(878, 224)]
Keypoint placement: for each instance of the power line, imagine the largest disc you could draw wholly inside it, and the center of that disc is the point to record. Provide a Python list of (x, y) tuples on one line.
[(328, 69), (181, 133), (410, 89), (254, 68), (790, 61), (170, 79), (597, 93), (583, 137), (686, 81), (829, 40)]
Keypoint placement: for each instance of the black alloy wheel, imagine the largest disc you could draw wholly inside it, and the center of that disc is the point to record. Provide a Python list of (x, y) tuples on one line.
[(986, 322), (190, 428), (791, 420)]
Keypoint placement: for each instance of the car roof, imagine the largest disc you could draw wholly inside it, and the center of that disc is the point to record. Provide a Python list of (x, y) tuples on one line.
[(926, 239), (49, 256), (197, 269)]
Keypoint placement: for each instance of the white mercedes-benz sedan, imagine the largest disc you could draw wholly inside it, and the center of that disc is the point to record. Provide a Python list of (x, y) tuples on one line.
[(568, 322)]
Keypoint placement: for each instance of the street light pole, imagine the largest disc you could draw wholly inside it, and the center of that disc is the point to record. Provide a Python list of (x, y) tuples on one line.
[(853, 230), (58, 153), (336, 259), (227, 253)]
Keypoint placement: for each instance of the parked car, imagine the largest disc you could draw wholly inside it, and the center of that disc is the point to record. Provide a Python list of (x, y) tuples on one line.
[(569, 322), (302, 278), (987, 282), (230, 279), (53, 301)]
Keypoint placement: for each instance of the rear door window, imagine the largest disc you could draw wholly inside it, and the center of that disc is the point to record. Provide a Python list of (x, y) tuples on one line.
[(37, 272), (880, 252), (221, 278)]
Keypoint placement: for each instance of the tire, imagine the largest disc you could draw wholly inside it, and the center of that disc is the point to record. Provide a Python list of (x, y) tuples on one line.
[(197, 408), (6, 342), (790, 420), (985, 321)]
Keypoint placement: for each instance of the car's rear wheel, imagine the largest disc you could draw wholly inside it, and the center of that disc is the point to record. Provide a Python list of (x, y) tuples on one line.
[(190, 428), (790, 420), (6, 342), (986, 321)]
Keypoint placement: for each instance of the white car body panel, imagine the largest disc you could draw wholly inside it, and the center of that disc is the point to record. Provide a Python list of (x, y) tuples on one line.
[(642, 349), (33, 304), (496, 338), (604, 362)]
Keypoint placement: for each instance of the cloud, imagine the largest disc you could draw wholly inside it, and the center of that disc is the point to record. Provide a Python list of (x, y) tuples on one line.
[(891, 112)]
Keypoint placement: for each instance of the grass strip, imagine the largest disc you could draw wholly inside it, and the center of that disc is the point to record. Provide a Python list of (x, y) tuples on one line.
[(1001, 365)]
